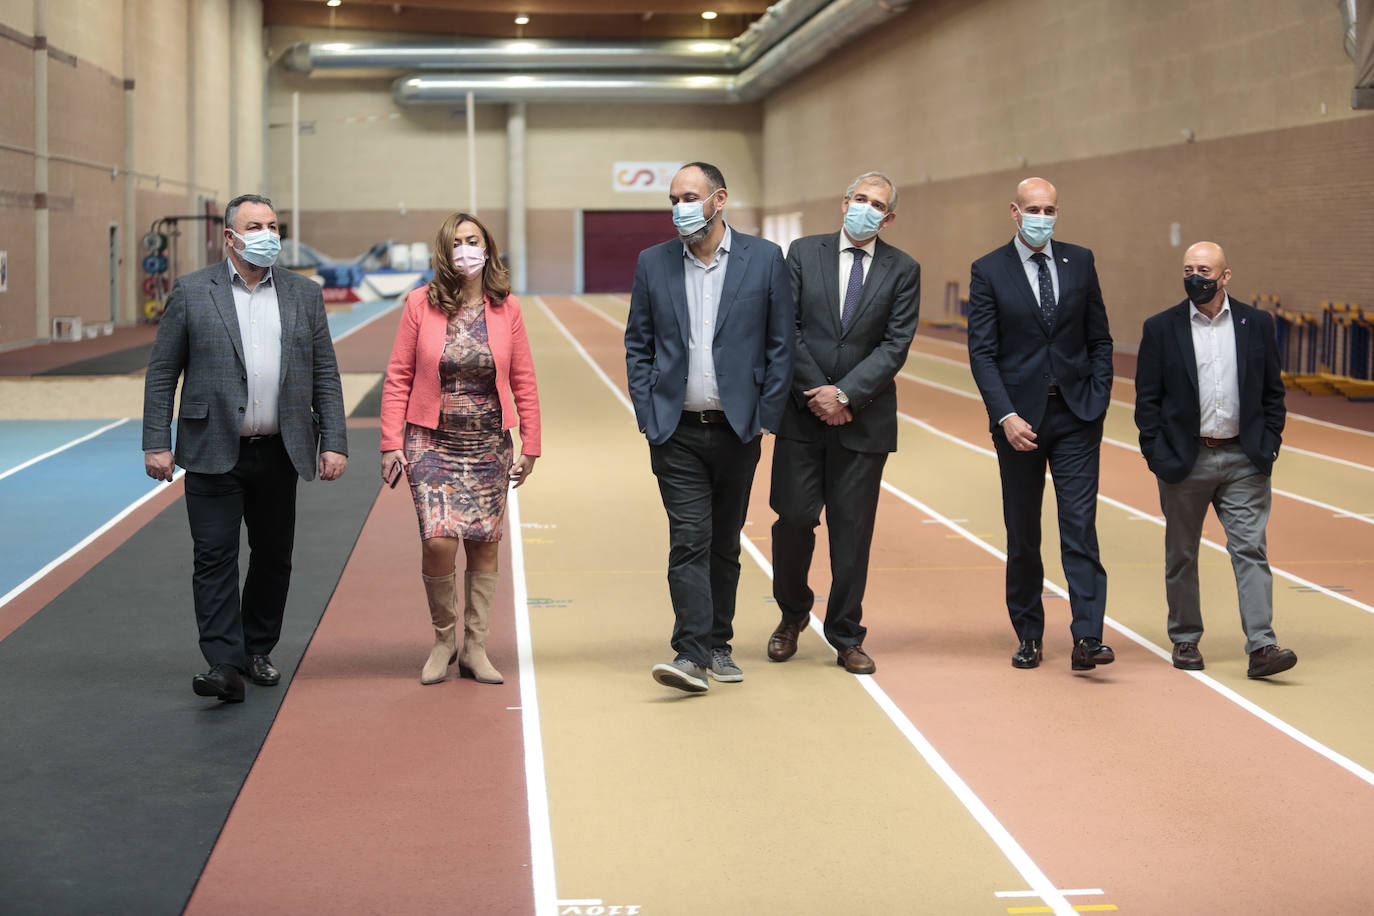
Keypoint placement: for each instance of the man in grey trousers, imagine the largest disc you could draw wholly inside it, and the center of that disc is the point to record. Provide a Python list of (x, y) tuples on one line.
[(260, 398), (1209, 406)]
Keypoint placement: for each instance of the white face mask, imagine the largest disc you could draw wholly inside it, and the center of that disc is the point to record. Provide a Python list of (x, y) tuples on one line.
[(1036, 228), (260, 248)]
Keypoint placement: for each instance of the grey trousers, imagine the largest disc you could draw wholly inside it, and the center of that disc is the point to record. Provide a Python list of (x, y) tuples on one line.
[(1225, 479)]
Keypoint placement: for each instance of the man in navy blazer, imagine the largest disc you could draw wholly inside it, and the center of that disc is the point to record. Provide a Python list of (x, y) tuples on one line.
[(708, 354), (1041, 353), (1209, 406)]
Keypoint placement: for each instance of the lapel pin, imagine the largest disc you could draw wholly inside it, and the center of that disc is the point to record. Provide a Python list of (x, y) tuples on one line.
[(1065, 260), (1242, 321)]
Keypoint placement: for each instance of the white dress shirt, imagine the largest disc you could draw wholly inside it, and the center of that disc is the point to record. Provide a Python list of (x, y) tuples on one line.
[(1033, 269), (704, 284), (847, 262), (1218, 384), (260, 331)]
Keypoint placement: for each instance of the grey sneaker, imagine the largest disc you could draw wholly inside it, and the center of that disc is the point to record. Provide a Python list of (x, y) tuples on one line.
[(723, 667), (682, 674)]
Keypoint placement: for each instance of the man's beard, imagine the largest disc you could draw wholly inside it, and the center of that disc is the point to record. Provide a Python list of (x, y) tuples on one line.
[(701, 233)]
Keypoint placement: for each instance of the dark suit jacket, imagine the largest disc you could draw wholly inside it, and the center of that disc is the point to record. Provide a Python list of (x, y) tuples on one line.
[(864, 359), (199, 336), (1014, 355), (1167, 409), (752, 346)]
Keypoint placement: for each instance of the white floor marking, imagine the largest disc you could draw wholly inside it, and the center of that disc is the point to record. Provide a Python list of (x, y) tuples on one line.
[(1264, 715), (536, 789), (81, 544), (362, 324), (62, 448), (1073, 892), (1018, 857)]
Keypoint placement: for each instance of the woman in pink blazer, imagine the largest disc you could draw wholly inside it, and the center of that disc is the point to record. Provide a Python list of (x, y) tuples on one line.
[(460, 374)]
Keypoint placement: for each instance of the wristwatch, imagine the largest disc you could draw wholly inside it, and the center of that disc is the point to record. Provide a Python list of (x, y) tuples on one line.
[(842, 398)]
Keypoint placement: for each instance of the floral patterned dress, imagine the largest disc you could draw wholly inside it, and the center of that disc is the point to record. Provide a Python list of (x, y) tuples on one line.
[(458, 472)]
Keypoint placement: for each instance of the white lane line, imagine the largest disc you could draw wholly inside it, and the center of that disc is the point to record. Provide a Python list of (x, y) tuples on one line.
[(362, 324), (1020, 860), (1264, 715), (536, 789), (1311, 454), (62, 448), (615, 389), (1337, 511), (597, 312), (81, 544), (1133, 512)]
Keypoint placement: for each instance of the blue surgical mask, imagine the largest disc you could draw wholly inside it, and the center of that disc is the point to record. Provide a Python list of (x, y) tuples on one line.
[(688, 216), (862, 221), (261, 247), (1036, 228)]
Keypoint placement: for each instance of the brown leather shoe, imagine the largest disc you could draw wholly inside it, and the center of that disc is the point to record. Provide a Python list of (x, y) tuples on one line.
[(1268, 660), (855, 660), (1187, 657), (782, 645)]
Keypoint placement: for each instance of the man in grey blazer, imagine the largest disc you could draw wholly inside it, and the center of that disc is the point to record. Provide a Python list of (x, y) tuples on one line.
[(260, 397), (708, 353), (858, 300)]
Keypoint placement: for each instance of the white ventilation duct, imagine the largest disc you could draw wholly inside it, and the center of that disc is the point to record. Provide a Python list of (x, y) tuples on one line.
[(520, 55), (789, 37), (837, 24)]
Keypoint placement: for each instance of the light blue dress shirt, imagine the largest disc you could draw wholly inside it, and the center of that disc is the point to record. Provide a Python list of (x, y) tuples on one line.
[(704, 284)]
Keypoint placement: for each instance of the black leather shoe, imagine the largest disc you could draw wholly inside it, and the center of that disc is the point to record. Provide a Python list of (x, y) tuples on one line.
[(1027, 654), (1088, 653), (222, 682), (261, 671)]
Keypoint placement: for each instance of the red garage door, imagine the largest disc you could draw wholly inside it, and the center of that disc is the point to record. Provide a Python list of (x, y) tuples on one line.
[(612, 241)]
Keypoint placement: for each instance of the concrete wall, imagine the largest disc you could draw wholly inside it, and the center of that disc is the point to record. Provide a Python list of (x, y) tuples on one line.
[(184, 141), (960, 100)]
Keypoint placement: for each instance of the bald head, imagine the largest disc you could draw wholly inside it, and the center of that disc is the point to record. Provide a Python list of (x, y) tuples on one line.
[(1036, 190), (1204, 253)]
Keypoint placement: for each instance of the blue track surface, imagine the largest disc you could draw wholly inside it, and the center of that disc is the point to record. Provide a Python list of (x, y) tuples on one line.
[(49, 507)]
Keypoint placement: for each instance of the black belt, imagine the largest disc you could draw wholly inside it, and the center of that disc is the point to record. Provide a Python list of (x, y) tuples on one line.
[(1054, 391), (703, 416), (251, 440), (1213, 443)]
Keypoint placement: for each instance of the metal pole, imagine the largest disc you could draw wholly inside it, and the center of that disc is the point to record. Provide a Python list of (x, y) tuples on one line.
[(515, 195), (296, 176), (472, 155), (41, 267), (130, 310), (192, 105)]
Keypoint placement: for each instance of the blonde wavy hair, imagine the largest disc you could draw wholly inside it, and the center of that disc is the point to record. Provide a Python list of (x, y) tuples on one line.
[(445, 290)]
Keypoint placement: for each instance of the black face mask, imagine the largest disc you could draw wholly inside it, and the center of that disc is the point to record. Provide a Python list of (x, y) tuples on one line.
[(1200, 290)]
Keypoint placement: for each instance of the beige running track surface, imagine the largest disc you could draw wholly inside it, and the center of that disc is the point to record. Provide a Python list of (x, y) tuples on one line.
[(1137, 788)]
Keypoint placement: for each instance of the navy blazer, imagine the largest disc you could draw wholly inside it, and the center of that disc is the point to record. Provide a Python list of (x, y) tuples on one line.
[(752, 346), (1015, 356), (1168, 411), (862, 360)]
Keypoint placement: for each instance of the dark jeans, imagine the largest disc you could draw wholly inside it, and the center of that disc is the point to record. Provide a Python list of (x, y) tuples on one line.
[(260, 490), (1070, 448), (704, 476), (809, 476)]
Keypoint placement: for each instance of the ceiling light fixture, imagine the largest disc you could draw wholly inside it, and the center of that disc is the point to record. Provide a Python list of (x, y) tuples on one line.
[(333, 2), (522, 19), (708, 15)]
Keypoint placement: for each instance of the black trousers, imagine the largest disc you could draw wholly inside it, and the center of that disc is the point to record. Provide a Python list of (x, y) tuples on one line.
[(1071, 449), (809, 476), (259, 491), (704, 476)]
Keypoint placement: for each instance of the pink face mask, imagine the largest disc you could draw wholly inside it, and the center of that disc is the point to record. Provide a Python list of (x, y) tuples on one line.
[(469, 259)]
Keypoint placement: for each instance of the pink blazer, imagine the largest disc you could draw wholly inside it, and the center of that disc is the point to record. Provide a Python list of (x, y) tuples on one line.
[(411, 392)]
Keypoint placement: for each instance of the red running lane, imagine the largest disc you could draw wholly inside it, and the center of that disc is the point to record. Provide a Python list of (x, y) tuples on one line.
[(372, 793)]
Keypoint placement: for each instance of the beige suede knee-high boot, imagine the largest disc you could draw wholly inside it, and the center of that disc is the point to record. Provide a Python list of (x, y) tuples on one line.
[(443, 604), (480, 588)]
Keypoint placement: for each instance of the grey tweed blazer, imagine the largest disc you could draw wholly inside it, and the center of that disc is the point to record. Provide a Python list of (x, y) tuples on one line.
[(199, 337)]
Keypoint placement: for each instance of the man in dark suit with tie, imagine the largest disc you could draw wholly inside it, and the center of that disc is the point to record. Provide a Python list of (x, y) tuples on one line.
[(858, 299), (708, 353), (260, 395), (1041, 354), (1209, 406)]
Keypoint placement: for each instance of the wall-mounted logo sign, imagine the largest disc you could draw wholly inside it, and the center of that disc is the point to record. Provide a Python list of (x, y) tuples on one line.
[(643, 176)]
